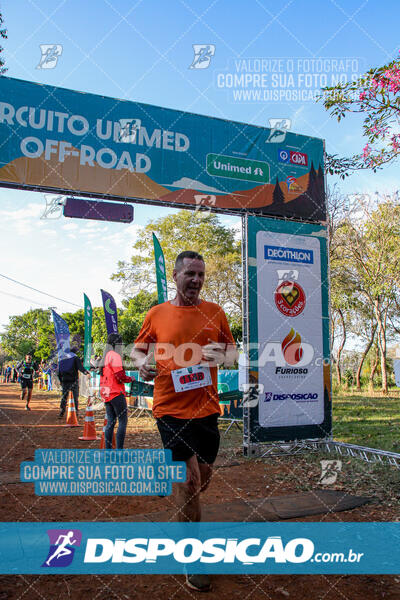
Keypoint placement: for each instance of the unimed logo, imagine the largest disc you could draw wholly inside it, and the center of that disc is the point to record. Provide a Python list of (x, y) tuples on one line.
[(190, 550)]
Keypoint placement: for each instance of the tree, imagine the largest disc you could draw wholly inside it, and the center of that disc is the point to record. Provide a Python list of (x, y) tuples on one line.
[(76, 325), (187, 231), (31, 332), (376, 96), (3, 35), (370, 258)]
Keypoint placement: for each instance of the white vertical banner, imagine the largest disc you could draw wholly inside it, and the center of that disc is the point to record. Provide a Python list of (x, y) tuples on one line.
[(290, 334), (396, 367)]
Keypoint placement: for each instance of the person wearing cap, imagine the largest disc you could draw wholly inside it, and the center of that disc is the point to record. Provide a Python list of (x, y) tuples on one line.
[(112, 391)]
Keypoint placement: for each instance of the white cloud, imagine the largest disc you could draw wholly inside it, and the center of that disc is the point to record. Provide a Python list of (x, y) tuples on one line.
[(70, 226)]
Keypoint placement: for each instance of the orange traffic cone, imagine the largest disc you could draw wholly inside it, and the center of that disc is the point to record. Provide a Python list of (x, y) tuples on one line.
[(72, 421), (103, 439), (89, 428)]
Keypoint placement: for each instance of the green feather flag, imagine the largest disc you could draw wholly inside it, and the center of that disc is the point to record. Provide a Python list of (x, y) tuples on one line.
[(162, 288)]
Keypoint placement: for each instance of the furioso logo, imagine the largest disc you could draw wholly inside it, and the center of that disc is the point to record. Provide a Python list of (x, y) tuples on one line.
[(290, 299), (291, 348), (61, 551)]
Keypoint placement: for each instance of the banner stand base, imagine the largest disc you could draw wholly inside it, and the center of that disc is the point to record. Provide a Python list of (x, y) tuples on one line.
[(276, 449)]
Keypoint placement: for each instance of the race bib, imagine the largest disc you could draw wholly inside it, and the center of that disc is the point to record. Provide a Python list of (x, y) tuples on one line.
[(191, 378), (26, 376)]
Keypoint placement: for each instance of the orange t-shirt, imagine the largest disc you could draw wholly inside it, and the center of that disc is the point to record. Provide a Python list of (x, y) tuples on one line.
[(178, 333), (109, 386)]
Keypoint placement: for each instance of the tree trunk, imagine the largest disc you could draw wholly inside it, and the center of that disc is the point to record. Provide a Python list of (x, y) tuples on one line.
[(339, 352), (367, 349), (373, 370), (338, 372), (382, 344)]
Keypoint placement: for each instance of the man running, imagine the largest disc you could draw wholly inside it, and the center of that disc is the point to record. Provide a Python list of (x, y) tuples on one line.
[(26, 372), (188, 337)]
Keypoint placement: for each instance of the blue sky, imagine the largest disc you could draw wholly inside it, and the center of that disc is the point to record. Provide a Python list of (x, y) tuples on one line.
[(142, 51)]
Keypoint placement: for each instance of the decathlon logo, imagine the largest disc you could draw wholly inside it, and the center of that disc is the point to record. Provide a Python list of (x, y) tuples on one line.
[(295, 255), (62, 547), (191, 550)]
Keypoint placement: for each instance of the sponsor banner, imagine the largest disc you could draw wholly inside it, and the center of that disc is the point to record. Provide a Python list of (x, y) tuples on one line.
[(396, 367), (151, 548), (289, 360), (61, 331), (110, 312), (59, 140), (88, 314), (162, 287), (290, 312)]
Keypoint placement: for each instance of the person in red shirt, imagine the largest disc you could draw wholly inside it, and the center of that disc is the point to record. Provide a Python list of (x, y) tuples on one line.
[(112, 390), (188, 337)]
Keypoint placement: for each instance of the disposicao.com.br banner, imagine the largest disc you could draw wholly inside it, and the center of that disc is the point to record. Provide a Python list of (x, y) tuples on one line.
[(251, 548)]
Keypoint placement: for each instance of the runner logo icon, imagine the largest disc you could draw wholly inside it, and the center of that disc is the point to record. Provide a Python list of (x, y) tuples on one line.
[(61, 552)]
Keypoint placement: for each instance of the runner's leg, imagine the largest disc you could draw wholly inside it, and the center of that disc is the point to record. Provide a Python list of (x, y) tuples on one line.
[(65, 387), (187, 494), (111, 420), (30, 390), (121, 411), (205, 475)]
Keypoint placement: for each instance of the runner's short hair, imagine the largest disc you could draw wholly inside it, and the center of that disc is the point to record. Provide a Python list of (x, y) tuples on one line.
[(186, 254)]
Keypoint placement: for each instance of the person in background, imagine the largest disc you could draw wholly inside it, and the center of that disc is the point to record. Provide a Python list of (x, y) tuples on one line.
[(26, 371), (112, 391), (68, 373)]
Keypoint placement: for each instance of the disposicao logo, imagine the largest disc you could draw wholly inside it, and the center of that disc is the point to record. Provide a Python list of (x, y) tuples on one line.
[(295, 255), (191, 550), (62, 542)]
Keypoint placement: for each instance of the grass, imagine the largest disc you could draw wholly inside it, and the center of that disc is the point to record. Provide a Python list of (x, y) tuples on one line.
[(366, 420)]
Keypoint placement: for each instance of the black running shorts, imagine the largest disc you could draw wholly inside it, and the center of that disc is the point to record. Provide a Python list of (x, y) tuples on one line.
[(26, 383), (188, 437)]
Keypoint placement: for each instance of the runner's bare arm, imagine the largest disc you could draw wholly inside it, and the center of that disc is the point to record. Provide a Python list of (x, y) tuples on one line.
[(218, 353), (144, 363)]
